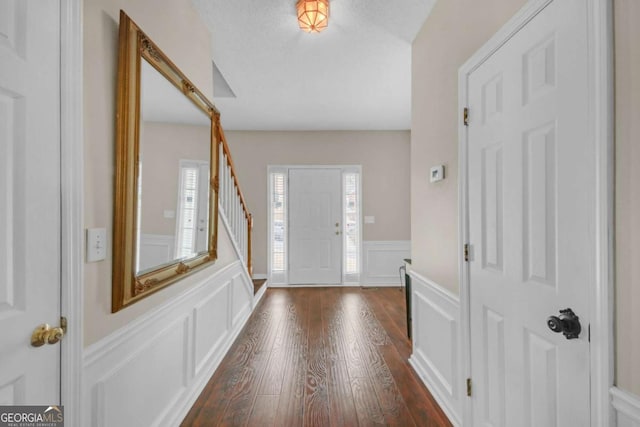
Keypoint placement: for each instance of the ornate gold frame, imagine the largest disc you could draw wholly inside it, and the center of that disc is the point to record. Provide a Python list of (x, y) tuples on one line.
[(127, 288)]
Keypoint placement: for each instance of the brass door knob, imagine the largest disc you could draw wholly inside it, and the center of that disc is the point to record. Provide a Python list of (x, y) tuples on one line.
[(45, 334)]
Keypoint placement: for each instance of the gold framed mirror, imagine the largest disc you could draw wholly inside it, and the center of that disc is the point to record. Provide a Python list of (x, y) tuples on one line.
[(166, 195)]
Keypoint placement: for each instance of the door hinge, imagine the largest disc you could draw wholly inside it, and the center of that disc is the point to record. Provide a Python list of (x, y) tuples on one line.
[(466, 252), (589, 328), (469, 387), (465, 116)]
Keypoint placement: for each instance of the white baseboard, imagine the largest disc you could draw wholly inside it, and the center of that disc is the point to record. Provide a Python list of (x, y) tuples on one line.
[(627, 407), (152, 371), (436, 350), (336, 285), (381, 285), (381, 261)]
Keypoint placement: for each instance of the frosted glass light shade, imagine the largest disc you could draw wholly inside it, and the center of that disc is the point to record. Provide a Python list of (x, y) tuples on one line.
[(313, 15)]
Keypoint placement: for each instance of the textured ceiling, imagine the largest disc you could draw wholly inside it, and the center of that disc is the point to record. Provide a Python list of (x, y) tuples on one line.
[(355, 75)]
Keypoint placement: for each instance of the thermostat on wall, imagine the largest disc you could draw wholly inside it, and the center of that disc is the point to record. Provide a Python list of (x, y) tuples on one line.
[(437, 173)]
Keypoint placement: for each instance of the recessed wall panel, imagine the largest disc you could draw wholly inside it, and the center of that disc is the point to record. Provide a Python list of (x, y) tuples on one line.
[(539, 180), (492, 207), (145, 387), (435, 340), (210, 324), (242, 295)]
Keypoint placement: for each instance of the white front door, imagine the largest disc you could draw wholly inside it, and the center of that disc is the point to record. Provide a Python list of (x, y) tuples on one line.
[(531, 180), (29, 199), (315, 225)]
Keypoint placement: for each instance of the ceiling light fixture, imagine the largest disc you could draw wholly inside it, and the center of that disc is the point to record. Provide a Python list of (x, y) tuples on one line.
[(313, 15)]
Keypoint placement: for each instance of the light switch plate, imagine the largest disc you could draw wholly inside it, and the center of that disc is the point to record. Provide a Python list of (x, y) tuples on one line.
[(169, 214), (369, 219), (436, 174), (96, 244)]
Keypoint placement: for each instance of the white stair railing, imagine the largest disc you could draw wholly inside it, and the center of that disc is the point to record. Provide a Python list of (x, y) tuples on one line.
[(232, 203)]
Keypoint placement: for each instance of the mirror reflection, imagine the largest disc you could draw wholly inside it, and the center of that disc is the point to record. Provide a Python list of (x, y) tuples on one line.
[(173, 174)]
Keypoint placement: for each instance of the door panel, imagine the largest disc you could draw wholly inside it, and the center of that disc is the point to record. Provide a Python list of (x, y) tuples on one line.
[(531, 222), (492, 224), (539, 174), (29, 199), (494, 368), (540, 371), (314, 210)]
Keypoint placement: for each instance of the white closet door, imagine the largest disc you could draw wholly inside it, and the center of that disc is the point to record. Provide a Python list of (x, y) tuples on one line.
[(532, 225), (29, 199)]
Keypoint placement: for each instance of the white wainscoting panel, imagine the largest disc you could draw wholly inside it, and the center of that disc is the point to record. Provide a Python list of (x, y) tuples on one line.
[(156, 249), (627, 407), (150, 372), (381, 261), (436, 350), (241, 299), (211, 324)]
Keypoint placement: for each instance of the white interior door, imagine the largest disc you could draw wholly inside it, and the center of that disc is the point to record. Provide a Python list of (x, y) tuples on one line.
[(29, 199), (315, 224), (531, 178)]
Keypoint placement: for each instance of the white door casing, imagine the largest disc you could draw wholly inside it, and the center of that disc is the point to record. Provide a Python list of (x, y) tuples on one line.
[(315, 240), (202, 231), (29, 199), (531, 198)]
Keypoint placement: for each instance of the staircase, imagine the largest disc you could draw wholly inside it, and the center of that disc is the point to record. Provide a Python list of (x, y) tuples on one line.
[(232, 206)]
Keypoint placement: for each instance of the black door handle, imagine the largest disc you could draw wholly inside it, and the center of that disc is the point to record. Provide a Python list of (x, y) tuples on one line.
[(567, 323)]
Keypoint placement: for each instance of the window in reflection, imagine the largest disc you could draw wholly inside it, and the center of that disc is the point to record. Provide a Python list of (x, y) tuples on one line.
[(191, 231)]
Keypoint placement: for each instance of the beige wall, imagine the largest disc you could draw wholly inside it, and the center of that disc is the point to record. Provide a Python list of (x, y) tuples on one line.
[(438, 51), (452, 33), (175, 27), (162, 148), (627, 128), (384, 157)]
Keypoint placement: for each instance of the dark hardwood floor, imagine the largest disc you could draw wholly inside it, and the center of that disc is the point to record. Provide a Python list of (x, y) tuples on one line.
[(320, 357)]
